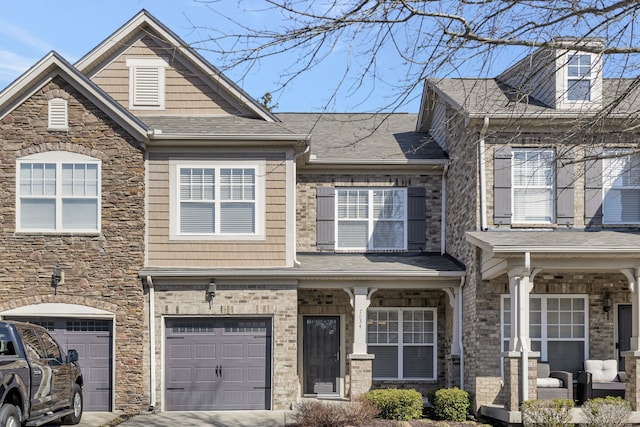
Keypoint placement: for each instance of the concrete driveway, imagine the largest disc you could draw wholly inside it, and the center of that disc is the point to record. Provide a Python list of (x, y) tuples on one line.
[(188, 419)]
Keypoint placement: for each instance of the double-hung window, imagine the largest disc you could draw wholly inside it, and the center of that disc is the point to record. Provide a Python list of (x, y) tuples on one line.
[(371, 219), (533, 186), (558, 328), (621, 187), (579, 78), (403, 341), (214, 200), (58, 192)]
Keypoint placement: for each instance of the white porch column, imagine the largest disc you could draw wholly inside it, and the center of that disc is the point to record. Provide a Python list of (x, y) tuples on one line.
[(360, 299), (455, 303)]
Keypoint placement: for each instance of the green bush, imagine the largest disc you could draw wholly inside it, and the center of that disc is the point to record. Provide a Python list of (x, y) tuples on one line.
[(450, 404), (547, 413), (606, 411), (396, 404)]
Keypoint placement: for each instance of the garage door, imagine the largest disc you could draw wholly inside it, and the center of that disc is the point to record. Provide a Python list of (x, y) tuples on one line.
[(92, 338), (217, 364)]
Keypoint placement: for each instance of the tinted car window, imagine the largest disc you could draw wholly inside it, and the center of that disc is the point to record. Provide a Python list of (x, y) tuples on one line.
[(32, 344), (51, 349)]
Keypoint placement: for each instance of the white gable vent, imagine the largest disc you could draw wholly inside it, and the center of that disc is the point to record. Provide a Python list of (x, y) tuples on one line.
[(146, 83), (58, 116)]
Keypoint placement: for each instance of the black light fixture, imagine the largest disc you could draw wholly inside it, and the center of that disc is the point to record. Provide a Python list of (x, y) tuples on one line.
[(56, 278), (607, 303)]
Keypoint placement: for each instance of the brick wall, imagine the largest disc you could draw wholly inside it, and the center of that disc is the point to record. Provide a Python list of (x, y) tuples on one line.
[(101, 270)]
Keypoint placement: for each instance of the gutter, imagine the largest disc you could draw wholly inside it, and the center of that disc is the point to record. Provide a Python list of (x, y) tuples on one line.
[(152, 345)]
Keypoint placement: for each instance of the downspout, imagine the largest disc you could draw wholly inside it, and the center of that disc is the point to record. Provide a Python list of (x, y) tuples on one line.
[(443, 215), (460, 330), (295, 203), (152, 345), (483, 178)]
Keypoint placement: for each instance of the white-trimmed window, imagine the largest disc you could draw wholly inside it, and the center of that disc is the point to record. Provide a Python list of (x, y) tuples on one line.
[(58, 117), (558, 328), (621, 187), (403, 341), (372, 219), (147, 83), (58, 192), (533, 186), (579, 81), (219, 200)]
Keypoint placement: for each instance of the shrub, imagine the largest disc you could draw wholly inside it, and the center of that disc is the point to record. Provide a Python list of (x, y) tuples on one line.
[(396, 404), (317, 413), (606, 411), (547, 413), (450, 404)]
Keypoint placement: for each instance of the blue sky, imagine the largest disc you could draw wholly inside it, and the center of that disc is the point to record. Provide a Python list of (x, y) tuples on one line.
[(29, 29)]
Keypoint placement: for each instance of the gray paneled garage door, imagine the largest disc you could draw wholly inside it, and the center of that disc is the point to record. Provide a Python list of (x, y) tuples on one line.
[(218, 364), (92, 338)]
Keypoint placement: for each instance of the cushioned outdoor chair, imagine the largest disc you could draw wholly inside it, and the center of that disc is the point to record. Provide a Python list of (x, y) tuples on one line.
[(600, 378), (553, 384)]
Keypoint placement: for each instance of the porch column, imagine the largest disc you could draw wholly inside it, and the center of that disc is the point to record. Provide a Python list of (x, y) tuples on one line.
[(632, 357), (360, 363), (517, 359), (456, 356)]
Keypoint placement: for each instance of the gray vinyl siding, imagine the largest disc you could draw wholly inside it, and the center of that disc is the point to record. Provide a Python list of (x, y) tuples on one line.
[(538, 82)]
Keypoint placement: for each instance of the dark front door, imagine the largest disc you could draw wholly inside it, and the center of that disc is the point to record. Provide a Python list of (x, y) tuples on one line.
[(321, 359), (624, 332)]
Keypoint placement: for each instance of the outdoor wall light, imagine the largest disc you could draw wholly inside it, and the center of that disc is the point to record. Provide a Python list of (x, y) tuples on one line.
[(57, 278), (211, 290), (607, 303)]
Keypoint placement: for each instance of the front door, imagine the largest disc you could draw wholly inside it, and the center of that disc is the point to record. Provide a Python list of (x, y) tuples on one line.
[(321, 354), (624, 332)]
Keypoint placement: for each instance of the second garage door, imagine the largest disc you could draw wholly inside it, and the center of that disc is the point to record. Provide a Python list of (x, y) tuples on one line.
[(217, 364)]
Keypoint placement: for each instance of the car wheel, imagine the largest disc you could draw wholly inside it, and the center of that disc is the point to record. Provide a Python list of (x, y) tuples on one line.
[(76, 404), (9, 416)]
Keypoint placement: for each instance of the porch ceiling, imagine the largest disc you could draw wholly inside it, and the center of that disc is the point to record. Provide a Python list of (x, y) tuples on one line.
[(557, 250)]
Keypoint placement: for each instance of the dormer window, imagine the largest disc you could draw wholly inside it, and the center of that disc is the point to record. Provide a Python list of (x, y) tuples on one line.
[(146, 83), (57, 114), (579, 78)]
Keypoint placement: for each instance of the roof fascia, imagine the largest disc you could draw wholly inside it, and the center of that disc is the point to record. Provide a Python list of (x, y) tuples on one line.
[(45, 70), (145, 18)]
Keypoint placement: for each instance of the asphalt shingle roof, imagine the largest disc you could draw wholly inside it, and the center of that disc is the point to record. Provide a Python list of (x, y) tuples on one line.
[(214, 125)]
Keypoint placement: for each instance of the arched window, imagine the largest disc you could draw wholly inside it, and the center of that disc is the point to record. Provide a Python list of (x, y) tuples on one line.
[(58, 191)]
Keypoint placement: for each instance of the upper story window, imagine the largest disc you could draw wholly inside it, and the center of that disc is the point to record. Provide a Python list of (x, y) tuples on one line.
[(58, 192), (533, 191), (371, 219), (58, 117), (147, 83), (219, 200), (621, 187), (403, 342), (579, 78)]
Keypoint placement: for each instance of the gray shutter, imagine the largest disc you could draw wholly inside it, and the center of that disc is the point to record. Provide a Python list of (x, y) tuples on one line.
[(593, 192), (502, 185), (325, 218), (564, 188), (416, 218)]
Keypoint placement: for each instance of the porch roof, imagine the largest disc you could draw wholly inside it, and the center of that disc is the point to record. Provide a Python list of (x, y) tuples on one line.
[(557, 250), (382, 268)]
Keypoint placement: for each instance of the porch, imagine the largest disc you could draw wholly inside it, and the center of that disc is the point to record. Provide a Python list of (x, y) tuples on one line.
[(565, 297)]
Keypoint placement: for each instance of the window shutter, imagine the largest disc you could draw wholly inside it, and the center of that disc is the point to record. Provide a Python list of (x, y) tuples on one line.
[(147, 86), (564, 188), (593, 192), (502, 185), (416, 218), (325, 218), (58, 114)]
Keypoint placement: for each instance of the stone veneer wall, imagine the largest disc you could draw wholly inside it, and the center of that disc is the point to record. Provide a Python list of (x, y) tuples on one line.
[(279, 302), (101, 270), (601, 325), (306, 202)]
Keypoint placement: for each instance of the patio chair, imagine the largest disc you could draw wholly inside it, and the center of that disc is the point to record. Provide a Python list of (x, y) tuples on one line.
[(553, 384), (600, 378)]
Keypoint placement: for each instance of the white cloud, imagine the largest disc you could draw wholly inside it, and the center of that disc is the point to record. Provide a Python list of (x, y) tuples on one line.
[(23, 37), (12, 65)]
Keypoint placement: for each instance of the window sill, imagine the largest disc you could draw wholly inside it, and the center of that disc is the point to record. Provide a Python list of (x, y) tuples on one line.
[(533, 225), (58, 233)]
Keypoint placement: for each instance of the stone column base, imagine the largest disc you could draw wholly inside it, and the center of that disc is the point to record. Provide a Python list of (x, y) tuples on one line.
[(361, 373), (513, 379), (632, 383)]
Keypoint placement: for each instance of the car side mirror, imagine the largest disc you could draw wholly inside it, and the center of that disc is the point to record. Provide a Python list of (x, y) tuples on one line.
[(72, 356)]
